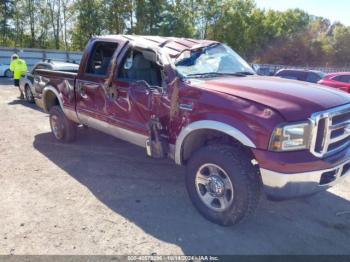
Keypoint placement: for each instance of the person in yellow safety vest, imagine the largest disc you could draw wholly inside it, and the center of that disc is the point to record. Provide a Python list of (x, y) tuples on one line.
[(18, 67)]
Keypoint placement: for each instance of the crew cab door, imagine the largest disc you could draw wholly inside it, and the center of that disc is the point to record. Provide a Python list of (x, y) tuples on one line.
[(90, 87), (136, 91)]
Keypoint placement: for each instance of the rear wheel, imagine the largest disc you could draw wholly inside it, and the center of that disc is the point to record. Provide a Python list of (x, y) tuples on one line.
[(28, 94), (62, 128), (223, 184)]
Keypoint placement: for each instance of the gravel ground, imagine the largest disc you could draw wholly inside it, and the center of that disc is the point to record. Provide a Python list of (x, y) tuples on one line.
[(100, 195)]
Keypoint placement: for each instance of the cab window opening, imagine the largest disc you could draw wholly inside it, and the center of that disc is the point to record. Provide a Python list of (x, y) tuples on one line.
[(100, 58), (136, 67)]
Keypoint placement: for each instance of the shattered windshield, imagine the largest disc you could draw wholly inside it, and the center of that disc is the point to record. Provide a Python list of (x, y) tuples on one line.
[(217, 59)]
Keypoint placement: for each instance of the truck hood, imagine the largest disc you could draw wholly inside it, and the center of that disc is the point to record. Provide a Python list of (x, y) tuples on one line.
[(295, 100)]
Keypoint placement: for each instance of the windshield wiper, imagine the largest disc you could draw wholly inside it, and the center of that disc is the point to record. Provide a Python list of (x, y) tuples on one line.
[(209, 74), (243, 73), (213, 74)]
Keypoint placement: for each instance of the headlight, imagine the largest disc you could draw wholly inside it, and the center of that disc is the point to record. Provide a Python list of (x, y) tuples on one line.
[(290, 137)]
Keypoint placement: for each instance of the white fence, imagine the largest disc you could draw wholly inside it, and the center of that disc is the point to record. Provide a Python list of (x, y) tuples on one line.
[(270, 69), (32, 56)]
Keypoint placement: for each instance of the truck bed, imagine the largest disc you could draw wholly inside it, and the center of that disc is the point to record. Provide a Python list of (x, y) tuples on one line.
[(62, 82)]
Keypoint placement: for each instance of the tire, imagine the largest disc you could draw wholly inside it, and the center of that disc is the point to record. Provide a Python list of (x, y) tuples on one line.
[(213, 198), (28, 94), (62, 128), (8, 73)]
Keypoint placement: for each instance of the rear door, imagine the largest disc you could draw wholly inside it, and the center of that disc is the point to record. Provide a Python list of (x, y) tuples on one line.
[(92, 81)]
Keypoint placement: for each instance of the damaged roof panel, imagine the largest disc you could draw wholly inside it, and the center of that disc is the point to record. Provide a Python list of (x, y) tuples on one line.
[(173, 45)]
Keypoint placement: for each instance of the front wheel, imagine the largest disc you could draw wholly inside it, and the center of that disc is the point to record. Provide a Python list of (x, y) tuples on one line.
[(223, 184), (62, 128)]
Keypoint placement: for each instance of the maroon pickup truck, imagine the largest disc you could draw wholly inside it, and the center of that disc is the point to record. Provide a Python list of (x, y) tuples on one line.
[(200, 104)]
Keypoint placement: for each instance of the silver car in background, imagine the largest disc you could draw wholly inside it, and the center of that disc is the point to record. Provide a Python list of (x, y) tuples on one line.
[(5, 70)]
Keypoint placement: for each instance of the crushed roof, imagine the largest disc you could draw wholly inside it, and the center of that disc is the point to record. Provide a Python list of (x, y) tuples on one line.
[(172, 45)]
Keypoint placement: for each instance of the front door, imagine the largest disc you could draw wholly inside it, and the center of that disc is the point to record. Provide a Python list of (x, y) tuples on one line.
[(91, 99), (137, 90)]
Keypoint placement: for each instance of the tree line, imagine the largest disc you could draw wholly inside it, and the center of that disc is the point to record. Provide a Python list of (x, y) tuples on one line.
[(292, 37)]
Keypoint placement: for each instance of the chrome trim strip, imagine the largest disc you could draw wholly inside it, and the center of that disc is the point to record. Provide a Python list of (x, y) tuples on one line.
[(213, 125), (334, 111), (339, 138), (340, 125), (118, 132)]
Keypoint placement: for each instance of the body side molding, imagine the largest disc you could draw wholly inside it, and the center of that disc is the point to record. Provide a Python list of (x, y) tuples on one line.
[(213, 125)]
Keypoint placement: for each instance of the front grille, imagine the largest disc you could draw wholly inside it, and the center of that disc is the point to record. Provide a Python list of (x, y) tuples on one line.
[(331, 131)]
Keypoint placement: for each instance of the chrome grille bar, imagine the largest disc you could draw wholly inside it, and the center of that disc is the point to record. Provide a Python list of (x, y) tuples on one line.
[(340, 125), (332, 139)]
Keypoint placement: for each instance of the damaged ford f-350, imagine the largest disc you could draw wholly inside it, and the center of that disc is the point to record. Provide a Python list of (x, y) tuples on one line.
[(199, 103)]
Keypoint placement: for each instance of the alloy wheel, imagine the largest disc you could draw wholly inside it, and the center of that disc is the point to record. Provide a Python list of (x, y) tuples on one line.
[(214, 187)]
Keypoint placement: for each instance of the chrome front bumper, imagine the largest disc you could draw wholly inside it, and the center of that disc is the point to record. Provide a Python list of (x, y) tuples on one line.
[(284, 186)]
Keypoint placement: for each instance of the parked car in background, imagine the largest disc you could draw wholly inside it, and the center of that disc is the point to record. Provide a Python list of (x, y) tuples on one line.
[(5, 70), (26, 81), (311, 76), (263, 70), (339, 80)]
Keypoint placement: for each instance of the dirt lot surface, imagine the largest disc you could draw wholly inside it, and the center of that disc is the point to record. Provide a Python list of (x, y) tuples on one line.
[(100, 195)]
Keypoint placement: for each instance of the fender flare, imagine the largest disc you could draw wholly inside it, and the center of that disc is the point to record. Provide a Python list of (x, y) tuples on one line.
[(213, 125), (52, 89)]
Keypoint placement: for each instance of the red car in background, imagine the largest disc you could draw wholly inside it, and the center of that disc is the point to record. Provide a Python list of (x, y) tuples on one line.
[(339, 80)]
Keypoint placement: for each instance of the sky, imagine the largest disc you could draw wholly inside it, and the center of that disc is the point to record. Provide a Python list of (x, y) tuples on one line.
[(336, 10)]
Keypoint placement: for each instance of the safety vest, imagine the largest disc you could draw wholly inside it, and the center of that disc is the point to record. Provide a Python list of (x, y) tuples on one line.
[(18, 67)]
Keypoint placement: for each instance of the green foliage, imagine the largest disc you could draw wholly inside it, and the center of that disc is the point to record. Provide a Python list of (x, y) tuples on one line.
[(89, 22), (341, 43), (177, 19), (266, 36), (6, 14)]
